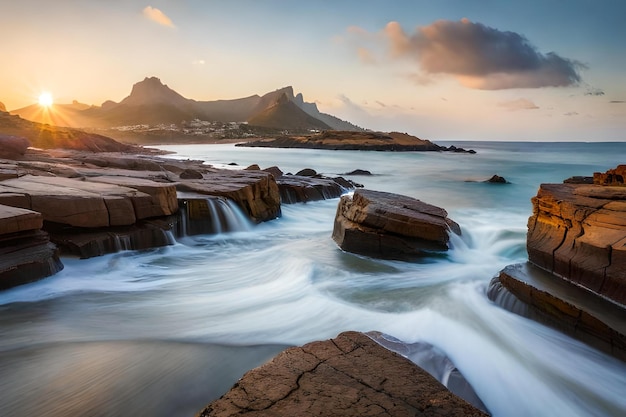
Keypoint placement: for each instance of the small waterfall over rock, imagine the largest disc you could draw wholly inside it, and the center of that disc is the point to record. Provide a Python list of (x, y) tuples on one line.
[(210, 215), (507, 300)]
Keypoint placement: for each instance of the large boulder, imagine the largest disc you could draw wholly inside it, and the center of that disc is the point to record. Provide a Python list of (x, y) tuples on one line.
[(392, 226), (13, 147), (350, 375), (578, 232)]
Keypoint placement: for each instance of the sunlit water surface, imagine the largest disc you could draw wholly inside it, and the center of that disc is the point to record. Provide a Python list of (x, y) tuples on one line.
[(162, 332)]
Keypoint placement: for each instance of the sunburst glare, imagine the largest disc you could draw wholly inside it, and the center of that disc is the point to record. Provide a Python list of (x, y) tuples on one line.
[(45, 99)]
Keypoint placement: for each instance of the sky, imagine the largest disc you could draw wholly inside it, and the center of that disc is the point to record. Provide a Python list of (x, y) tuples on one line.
[(534, 70)]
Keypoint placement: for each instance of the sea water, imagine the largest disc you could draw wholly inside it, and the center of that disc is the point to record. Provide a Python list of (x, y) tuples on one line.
[(162, 332)]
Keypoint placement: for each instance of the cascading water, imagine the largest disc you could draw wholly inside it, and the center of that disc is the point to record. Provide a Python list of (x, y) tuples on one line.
[(150, 332), (211, 215)]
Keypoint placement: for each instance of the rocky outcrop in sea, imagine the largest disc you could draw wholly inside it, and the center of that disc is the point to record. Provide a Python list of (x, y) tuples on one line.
[(575, 278), (391, 226)]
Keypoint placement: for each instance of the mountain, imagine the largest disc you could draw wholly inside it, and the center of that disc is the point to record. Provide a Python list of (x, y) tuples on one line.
[(152, 103), (283, 113)]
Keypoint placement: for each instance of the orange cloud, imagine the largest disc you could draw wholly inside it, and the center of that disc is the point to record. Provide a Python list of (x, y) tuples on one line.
[(366, 56), (157, 16)]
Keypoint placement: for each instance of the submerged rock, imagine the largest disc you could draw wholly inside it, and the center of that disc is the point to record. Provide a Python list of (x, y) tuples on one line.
[(350, 375), (391, 226)]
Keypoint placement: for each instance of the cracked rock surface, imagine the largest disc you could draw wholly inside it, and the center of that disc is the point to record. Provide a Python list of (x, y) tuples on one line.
[(350, 375)]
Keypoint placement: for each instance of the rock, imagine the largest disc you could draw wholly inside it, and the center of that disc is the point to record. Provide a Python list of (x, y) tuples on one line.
[(391, 226), (358, 172), (13, 147), (2, 107), (350, 375), (87, 243), (26, 254), (94, 203), (307, 172), (613, 177), (578, 180), (190, 174), (275, 171), (300, 189), (253, 167), (578, 232), (496, 179), (559, 303), (256, 192)]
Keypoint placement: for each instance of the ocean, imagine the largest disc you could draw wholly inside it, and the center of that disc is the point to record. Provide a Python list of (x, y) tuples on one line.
[(162, 332)]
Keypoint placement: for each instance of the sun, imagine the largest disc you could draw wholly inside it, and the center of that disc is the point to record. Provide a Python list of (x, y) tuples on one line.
[(45, 99)]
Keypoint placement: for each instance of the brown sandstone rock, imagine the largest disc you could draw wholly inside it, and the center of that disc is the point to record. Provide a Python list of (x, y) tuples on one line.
[(256, 192), (392, 226), (615, 177), (350, 375), (13, 147), (300, 189), (26, 254), (88, 203), (578, 232), (572, 309)]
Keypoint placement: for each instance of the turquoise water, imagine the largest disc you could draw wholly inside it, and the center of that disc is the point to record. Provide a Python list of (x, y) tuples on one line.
[(201, 312)]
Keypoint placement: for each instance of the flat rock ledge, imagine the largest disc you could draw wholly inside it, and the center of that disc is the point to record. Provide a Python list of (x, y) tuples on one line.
[(350, 375), (391, 226), (533, 292)]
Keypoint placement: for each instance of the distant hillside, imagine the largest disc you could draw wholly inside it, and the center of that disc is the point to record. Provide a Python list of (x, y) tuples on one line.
[(350, 140), (66, 115), (52, 137), (151, 102)]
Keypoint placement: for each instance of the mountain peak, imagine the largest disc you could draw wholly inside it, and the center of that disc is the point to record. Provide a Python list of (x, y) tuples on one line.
[(152, 91)]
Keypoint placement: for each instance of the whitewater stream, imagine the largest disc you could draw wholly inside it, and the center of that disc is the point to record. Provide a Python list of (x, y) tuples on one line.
[(162, 332)]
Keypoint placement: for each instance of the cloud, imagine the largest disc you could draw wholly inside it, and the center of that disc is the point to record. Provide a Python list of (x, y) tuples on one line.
[(592, 91), (157, 16), (617, 101), (519, 104), (480, 56), (366, 56), (570, 113)]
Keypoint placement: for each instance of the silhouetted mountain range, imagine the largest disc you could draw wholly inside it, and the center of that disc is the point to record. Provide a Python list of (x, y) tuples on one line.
[(151, 102)]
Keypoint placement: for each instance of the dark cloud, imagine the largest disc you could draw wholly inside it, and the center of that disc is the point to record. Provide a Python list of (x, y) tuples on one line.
[(380, 103), (594, 92), (480, 56)]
